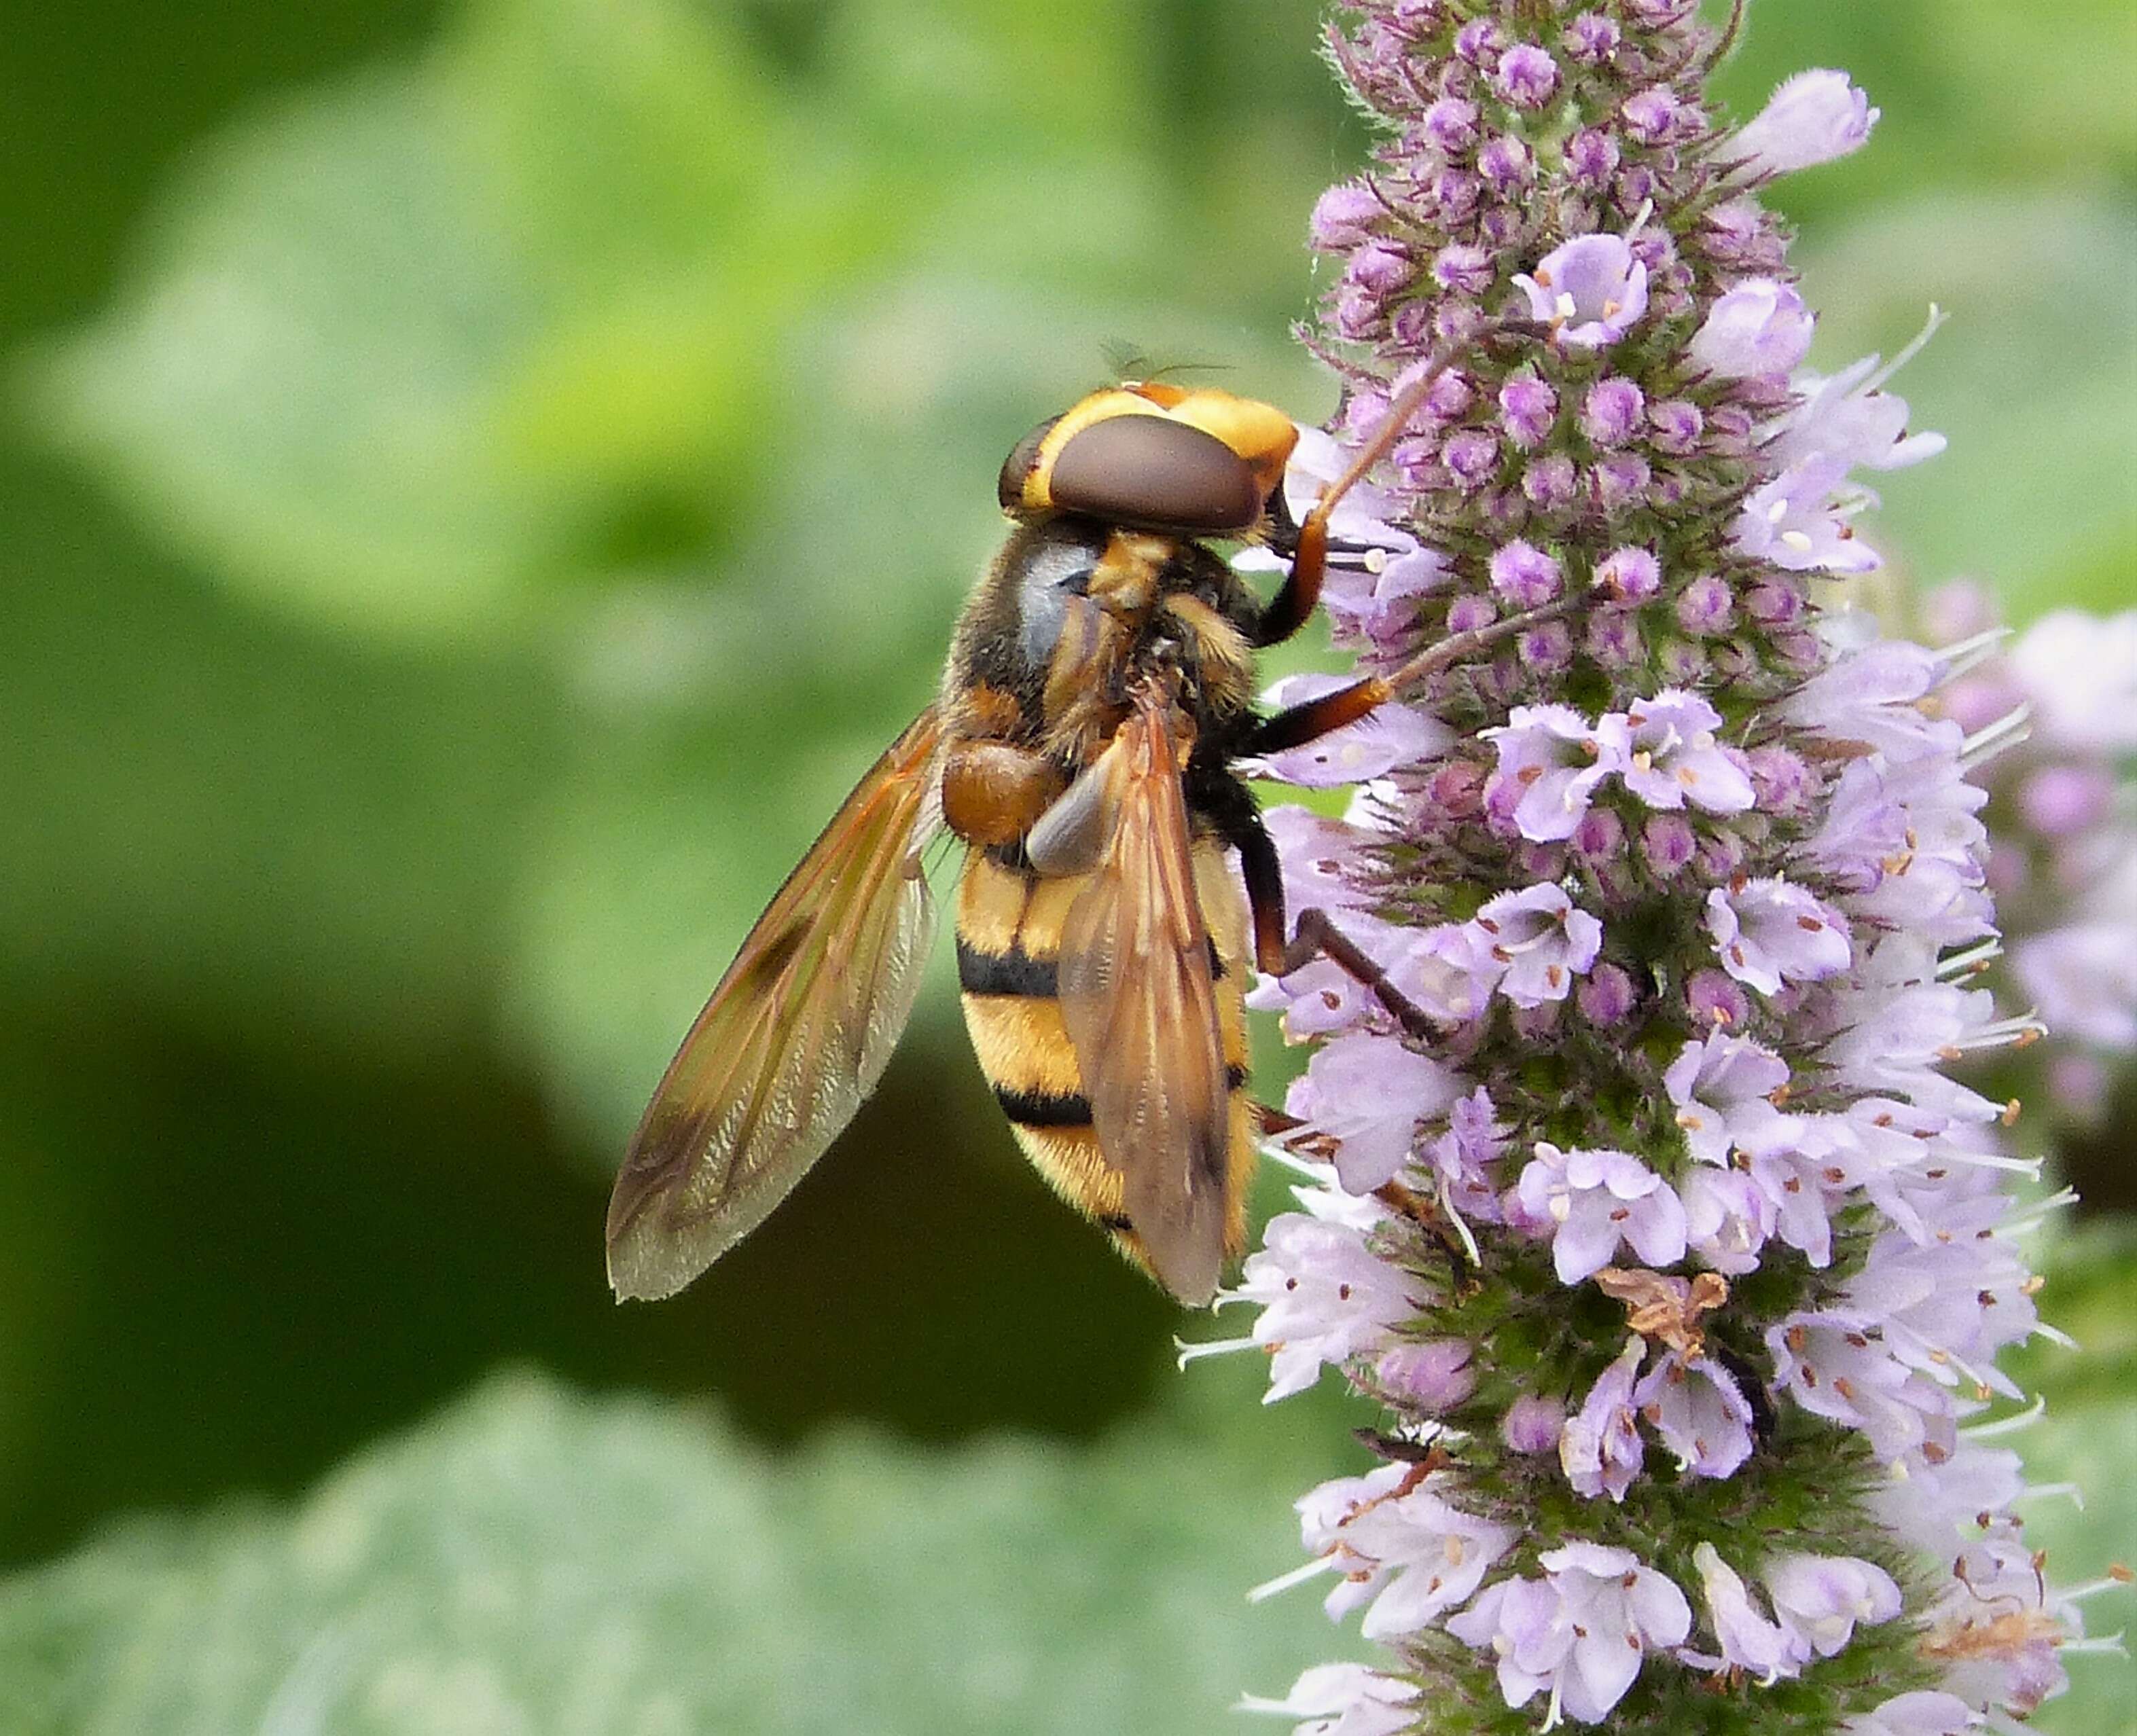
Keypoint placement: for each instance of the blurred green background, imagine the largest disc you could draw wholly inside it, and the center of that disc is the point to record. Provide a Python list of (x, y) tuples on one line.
[(477, 480)]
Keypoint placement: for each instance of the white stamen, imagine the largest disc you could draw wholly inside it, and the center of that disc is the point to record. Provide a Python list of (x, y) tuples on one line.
[(1297, 1576), (1799, 541), (2028, 1167), (1991, 739), (1285, 1157), (1937, 318), (1565, 306), (1461, 1229), (1966, 963), (1209, 1347), (2044, 1490), (2009, 1425), (1969, 653), (2025, 1222)]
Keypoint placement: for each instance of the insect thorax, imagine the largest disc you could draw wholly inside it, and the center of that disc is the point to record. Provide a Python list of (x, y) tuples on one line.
[(1072, 613)]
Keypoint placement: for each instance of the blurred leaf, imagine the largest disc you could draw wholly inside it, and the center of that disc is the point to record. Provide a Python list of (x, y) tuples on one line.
[(222, 818), (414, 351), (1972, 91), (530, 1562), (409, 348), (2032, 381)]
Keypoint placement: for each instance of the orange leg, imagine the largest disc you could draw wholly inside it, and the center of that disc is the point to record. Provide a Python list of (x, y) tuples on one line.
[(1288, 610)]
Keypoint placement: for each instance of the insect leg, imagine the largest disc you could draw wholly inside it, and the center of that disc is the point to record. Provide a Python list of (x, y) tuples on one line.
[(1288, 610), (1231, 807), (1297, 725)]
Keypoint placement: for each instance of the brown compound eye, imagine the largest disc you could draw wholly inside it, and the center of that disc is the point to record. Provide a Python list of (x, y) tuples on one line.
[(1017, 468), (1151, 472)]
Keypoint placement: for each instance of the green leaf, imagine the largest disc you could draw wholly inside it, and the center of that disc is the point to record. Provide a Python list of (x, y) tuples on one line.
[(535, 1562), (269, 835), (407, 351)]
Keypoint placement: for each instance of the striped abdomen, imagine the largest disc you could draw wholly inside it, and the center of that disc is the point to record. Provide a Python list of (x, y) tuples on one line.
[(1009, 943)]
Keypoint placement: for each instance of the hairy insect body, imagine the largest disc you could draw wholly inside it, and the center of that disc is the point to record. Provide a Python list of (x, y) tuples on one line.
[(1071, 619), (1097, 696)]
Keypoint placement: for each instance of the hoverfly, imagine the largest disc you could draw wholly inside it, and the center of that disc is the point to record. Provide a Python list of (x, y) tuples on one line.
[(1098, 694)]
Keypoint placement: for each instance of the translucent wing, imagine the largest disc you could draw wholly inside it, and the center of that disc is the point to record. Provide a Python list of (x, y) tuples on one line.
[(794, 1038), (1139, 1003)]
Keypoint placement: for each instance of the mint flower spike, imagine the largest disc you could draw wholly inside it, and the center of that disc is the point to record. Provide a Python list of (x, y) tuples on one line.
[(1638, 1191)]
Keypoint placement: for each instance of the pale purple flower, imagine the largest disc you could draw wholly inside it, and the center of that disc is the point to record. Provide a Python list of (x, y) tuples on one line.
[(1698, 1408), (1550, 759), (1926, 1712), (1581, 1633), (1391, 735), (1819, 1599), (1760, 329), (1728, 1218), (2080, 671), (1316, 852), (1672, 756), (1527, 409), (1451, 124), (1722, 1086), (1833, 1363), (1533, 1424), (1526, 77), (1797, 521), (1811, 119), (1599, 1449), (1629, 575), (1591, 290), (1594, 1200), (1444, 971), (1466, 1157), (1429, 1378), (1368, 1092), (2083, 975), (1653, 116), (1325, 1296), (1592, 38), (1850, 417), (1345, 216), (1750, 1641), (1525, 575), (1377, 569), (1768, 932), (1611, 412), (1343, 1700), (1414, 1554), (1540, 943)]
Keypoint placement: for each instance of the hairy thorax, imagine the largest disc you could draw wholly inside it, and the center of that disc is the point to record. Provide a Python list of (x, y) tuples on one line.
[(1068, 619)]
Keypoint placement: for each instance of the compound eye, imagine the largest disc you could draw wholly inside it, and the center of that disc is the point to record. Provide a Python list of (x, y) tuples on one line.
[(1151, 473), (1017, 468)]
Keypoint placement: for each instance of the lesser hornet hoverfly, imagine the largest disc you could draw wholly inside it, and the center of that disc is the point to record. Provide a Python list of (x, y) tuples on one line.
[(1098, 694)]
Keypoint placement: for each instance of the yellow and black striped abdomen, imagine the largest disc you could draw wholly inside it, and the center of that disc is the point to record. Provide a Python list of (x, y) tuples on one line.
[(1009, 945)]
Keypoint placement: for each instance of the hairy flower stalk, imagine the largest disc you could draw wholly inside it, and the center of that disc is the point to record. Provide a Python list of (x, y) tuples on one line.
[(1639, 1192)]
